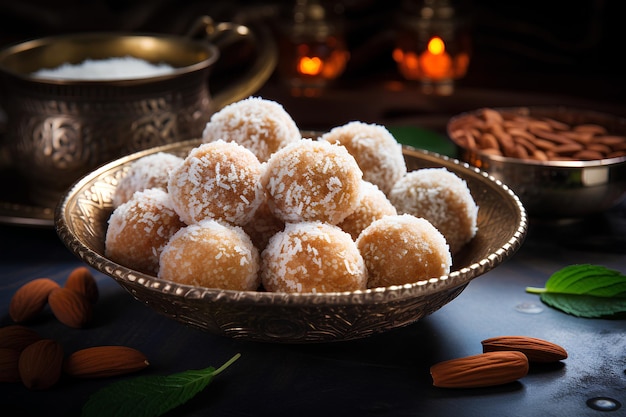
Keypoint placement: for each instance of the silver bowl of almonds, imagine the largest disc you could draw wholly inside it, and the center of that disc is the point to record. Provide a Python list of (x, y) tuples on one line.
[(563, 163), (317, 243)]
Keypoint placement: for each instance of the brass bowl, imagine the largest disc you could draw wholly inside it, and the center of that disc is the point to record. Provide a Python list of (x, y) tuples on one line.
[(81, 222), (554, 190)]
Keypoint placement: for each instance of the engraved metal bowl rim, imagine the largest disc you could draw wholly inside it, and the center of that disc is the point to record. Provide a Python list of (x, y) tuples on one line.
[(212, 55), (540, 110), (128, 277)]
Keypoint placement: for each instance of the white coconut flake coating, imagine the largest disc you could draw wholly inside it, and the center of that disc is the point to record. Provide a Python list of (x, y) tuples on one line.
[(312, 257), (262, 126), (211, 254), (373, 205), (403, 249), (312, 181), (375, 149), (218, 180), (139, 229), (150, 171), (441, 197)]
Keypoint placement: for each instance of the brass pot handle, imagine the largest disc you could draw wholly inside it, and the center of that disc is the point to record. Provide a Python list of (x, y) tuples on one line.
[(224, 34)]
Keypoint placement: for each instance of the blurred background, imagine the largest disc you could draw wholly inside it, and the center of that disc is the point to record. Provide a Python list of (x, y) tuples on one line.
[(502, 52)]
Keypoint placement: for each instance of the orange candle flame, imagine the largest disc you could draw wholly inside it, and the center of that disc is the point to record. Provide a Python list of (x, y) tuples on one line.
[(435, 61), (310, 65), (436, 46)]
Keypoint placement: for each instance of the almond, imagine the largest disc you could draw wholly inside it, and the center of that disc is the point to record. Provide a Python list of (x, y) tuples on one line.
[(40, 364), (30, 299), (81, 280), (537, 350), (590, 127), (483, 370), (558, 141), (17, 337), (9, 370), (70, 307), (104, 361)]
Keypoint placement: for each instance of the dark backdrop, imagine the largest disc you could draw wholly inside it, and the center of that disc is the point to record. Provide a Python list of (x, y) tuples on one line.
[(566, 47)]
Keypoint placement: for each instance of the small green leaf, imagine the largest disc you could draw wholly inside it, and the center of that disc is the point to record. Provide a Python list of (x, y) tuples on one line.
[(585, 291), (585, 305), (150, 396), (421, 138)]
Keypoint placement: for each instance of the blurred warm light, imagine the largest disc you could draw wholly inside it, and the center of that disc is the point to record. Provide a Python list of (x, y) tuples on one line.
[(310, 65), (461, 62), (313, 63), (325, 60), (436, 46), (434, 64), (433, 46), (313, 51)]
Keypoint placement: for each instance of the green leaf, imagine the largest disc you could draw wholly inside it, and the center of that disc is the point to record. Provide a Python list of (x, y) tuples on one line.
[(585, 305), (423, 139), (585, 290), (150, 396)]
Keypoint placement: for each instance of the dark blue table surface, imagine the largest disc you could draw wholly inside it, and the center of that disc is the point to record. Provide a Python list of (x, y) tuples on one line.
[(386, 374)]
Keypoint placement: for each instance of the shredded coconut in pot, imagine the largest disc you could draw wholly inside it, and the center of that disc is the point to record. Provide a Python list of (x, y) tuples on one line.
[(116, 68)]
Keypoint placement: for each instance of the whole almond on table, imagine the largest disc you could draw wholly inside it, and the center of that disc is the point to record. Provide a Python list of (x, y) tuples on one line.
[(70, 307), (40, 364), (483, 370), (104, 361), (81, 280), (537, 350), (9, 369), (30, 299), (17, 337)]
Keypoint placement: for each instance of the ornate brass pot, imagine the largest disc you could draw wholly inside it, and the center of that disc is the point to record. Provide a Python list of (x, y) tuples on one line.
[(60, 129)]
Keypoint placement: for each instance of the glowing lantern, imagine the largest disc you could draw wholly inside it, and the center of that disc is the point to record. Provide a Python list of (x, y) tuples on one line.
[(312, 49), (432, 46), (435, 62)]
